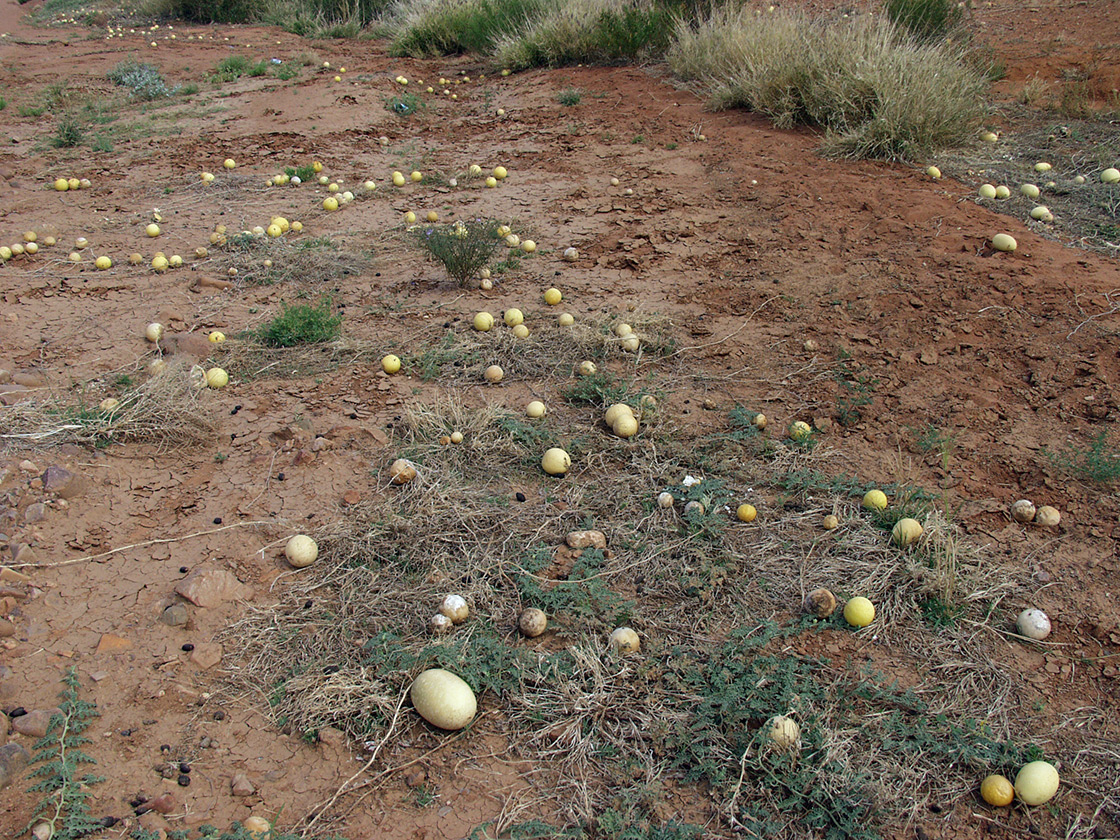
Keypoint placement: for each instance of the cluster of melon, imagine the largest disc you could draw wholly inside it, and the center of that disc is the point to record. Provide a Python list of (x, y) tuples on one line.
[(1024, 512), (28, 245), (453, 610), (64, 184), (201, 377)]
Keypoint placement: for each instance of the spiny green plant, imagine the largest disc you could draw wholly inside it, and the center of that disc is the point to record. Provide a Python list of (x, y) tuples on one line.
[(301, 324), (583, 594), (599, 389), (1098, 461), (856, 387), (304, 173), (64, 807), (569, 97), (464, 248)]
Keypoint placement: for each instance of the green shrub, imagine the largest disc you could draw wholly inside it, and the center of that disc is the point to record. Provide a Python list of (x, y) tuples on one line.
[(233, 68), (464, 248), (301, 324), (589, 31), (217, 11), (926, 20), (143, 80), (69, 133), (876, 91), (450, 27)]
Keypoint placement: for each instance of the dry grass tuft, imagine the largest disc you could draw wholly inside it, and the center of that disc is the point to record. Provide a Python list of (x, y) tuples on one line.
[(167, 410), (310, 261), (877, 92)]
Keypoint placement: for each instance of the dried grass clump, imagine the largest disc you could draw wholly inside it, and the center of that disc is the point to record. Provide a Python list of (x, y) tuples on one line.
[(294, 260), (875, 90), (167, 410)]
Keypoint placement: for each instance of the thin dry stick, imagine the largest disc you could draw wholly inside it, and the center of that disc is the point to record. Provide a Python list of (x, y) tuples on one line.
[(730, 335), (145, 544), (343, 788)]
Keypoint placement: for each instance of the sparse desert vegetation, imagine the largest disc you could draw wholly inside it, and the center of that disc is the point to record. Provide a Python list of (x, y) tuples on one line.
[(614, 419)]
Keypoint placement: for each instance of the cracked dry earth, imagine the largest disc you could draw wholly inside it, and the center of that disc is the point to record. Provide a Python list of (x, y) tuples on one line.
[(748, 241)]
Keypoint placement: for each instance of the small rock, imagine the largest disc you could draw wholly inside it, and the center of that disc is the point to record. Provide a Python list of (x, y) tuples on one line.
[(24, 554), (34, 724), (241, 786), (187, 344), (351, 497), (586, 539), (206, 655), (12, 576), (29, 467), (13, 758), (332, 737), (29, 379), (415, 777), (62, 482), (163, 804), (175, 615), (321, 443), (213, 587), (7, 629), (111, 643)]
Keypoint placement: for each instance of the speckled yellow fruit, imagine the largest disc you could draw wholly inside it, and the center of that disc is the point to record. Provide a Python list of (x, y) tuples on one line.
[(432, 216), (152, 230), (859, 611), (399, 179), (875, 500), (330, 204), (416, 176), (831, 522), (521, 331), (1037, 782), (528, 246), (159, 263), (987, 191), (443, 699), (229, 163), (556, 461), (483, 322), (997, 790), (566, 319), (500, 172), (103, 263), (513, 317), (746, 512), (61, 184), (553, 296), (625, 640), (390, 363), (494, 374), (491, 182), (906, 532), (799, 430), (535, 409), (1004, 242), (216, 378), (301, 551)]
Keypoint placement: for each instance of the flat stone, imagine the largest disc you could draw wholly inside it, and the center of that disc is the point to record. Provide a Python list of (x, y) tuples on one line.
[(35, 513), (176, 615), (12, 576), (33, 724), (23, 553), (212, 587), (13, 759), (206, 655), (29, 467), (29, 379), (7, 629), (112, 644), (192, 344), (586, 539), (163, 804), (62, 482), (241, 786)]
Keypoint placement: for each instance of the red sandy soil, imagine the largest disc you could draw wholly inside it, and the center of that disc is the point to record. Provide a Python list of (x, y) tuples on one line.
[(749, 241)]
